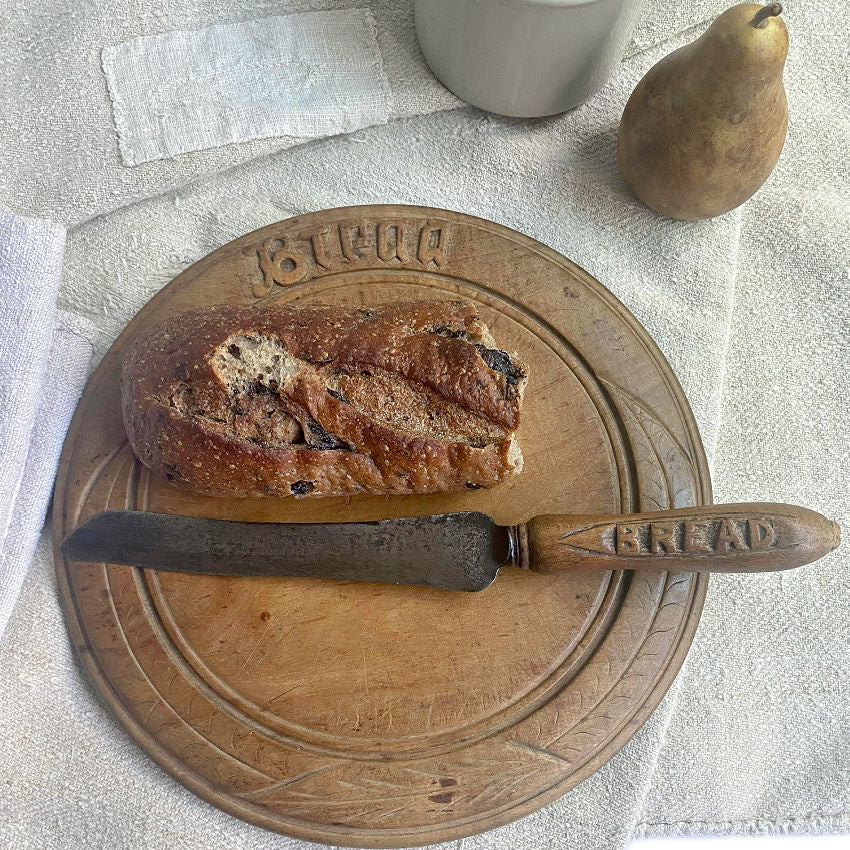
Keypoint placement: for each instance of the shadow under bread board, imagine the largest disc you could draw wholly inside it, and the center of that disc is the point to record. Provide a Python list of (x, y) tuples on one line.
[(385, 716)]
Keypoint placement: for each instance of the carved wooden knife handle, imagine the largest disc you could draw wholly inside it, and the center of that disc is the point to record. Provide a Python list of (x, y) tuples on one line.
[(755, 537)]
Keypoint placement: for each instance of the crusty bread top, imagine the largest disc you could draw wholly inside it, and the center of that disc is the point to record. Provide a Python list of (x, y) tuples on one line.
[(371, 381)]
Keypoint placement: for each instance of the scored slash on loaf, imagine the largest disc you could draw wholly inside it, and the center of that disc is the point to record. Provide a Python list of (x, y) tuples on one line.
[(407, 397)]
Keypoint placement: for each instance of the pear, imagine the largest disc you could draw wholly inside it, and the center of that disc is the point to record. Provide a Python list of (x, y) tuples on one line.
[(704, 128)]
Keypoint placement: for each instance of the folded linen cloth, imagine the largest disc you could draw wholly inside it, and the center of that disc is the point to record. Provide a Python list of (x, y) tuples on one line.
[(44, 360)]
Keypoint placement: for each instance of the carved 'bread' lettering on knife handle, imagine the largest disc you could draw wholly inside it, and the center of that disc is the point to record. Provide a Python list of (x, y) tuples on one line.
[(720, 538)]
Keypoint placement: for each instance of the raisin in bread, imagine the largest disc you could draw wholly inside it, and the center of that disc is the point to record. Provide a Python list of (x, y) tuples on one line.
[(408, 397)]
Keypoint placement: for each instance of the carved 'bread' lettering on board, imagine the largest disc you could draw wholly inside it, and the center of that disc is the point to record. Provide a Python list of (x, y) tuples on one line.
[(432, 243), (316, 240), (391, 241), (355, 240), (674, 537), (278, 264), (394, 243)]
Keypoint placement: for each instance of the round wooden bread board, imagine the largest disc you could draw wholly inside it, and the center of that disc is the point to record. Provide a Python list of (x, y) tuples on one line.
[(383, 716)]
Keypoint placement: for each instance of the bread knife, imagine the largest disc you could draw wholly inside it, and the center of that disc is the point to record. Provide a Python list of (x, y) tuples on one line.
[(461, 551)]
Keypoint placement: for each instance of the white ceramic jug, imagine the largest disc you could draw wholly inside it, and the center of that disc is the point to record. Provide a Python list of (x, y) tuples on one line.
[(525, 58)]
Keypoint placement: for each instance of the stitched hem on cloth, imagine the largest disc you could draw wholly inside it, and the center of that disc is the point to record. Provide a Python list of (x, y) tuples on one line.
[(813, 823)]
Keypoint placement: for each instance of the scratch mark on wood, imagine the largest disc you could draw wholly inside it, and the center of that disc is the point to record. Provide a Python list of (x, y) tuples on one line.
[(285, 783), (261, 638), (540, 751), (153, 709), (267, 703), (365, 673)]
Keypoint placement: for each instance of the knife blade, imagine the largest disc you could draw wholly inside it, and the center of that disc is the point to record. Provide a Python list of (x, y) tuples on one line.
[(461, 551), (457, 551)]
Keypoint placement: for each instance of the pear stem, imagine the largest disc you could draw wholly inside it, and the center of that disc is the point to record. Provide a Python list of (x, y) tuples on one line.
[(759, 20)]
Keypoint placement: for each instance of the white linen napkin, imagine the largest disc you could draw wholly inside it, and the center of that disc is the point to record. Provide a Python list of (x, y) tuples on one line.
[(44, 358)]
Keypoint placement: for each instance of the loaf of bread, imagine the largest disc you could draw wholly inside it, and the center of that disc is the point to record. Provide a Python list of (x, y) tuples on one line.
[(408, 397)]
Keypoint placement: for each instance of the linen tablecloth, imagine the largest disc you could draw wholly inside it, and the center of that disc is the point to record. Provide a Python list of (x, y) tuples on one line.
[(751, 309)]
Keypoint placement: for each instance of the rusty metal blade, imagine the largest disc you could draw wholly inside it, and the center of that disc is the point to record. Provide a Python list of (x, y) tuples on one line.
[(459, 551)]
